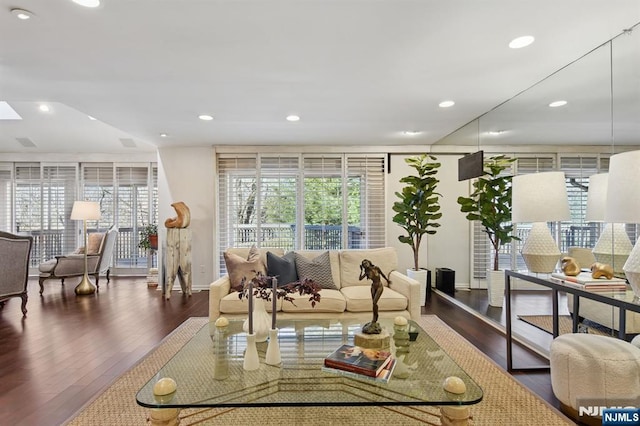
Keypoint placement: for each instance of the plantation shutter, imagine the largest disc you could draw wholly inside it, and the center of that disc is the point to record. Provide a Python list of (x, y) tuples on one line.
[(58, 195), (325, 223), (366, 201), (6, 197), (237, 193), (44, 196), (133, 211), (296, 201), (577, 232), (97, 185), (278, 184)]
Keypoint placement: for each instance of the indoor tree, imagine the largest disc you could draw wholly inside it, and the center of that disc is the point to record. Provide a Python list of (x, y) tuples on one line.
[(490, 203), (418, 210)]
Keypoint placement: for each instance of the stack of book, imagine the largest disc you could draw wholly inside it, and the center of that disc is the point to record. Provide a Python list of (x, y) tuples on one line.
[(360, 362), (586, 281)]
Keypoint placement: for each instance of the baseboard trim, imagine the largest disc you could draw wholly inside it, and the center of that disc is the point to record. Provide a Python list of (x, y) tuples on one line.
[(501, 328)]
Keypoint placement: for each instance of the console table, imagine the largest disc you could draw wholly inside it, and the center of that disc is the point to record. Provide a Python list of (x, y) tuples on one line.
[(623, 301)]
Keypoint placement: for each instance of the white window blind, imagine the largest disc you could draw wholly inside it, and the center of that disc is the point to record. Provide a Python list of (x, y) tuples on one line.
[(44, 196), (133, 211), (6, 197), (297, 201), (366, 202), (324, 203), (576, 231)]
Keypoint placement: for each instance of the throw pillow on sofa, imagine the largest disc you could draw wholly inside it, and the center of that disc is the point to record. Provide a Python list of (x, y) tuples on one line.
[(239, 268), (284, 268), (317, 269)]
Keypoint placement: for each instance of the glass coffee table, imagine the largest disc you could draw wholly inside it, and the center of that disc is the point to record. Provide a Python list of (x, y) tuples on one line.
[(300, 379)]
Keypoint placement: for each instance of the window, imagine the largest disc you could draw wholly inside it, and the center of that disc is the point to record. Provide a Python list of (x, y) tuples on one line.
[(44, 196), (37, 199), (292, 201), (125, 199)]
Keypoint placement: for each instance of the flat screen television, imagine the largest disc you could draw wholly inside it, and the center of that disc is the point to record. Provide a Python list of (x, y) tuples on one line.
[(470, 166)]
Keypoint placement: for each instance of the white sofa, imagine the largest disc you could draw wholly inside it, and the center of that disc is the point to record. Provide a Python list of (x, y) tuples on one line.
[(351, 300)]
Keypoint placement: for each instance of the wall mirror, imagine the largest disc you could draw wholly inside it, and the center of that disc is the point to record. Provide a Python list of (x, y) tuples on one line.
[(600, 118)]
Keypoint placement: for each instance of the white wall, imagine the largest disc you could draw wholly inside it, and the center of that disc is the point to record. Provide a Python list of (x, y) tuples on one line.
[(187, 175), (449, 247)]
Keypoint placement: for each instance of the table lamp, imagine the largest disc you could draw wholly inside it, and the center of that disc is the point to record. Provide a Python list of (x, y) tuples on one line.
[(613, 246), (540, 198), (85, 210), (623, 205)]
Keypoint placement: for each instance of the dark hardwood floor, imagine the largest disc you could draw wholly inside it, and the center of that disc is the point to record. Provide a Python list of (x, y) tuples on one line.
[(69, 348)]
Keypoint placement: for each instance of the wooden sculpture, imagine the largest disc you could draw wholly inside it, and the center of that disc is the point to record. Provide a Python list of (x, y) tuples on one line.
[(182, 220)]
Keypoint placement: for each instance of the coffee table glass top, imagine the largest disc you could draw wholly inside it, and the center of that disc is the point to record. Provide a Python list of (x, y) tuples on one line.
[(300, 380)]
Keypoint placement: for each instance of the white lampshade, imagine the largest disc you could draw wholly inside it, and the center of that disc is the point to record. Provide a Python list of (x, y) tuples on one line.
[(540, 197), (623, 205), (85, 210), (623, 190), (613, 246), (597, 197)]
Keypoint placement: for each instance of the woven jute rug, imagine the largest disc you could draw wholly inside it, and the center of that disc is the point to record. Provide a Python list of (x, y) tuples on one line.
[(565, 324), (505, 402)]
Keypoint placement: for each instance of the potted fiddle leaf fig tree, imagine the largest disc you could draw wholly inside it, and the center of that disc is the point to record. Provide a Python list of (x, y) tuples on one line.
[(490, 203), (418, 209)]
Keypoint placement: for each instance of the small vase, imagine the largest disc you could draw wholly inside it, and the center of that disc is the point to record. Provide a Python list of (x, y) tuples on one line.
[(261, 322), (251, 360), (273, 350)]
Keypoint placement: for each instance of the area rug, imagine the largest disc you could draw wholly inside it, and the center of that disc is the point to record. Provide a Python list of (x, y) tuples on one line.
[(505, 402), (565, 324)]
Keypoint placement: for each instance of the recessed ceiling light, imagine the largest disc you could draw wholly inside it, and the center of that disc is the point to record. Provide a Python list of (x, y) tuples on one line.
[(411, 132), (293, 118), (521, 42), (91, 118), (21, 14), (495, 132), (446, 104), (163, 135), (87, 3), (205, 117), (44, 108), (556, 104)]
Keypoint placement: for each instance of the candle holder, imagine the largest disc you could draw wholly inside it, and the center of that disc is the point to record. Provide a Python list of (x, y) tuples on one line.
[(251, 360), (273, 350)]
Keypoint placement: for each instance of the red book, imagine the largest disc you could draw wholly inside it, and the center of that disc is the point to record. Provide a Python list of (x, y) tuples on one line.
[(368, 362)]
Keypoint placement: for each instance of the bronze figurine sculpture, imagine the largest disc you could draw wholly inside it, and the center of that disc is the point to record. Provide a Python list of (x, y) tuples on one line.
[(370, 271)]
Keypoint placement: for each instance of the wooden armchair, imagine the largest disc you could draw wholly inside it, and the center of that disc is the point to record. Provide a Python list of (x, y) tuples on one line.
[(14, 267), (72, 265)]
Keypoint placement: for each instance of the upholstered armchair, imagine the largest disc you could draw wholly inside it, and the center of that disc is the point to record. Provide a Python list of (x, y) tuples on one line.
[(14, 267), (99, 248)]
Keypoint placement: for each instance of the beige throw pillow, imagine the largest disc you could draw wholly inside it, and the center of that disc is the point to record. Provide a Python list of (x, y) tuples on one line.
[(94, 242), (239, 267)]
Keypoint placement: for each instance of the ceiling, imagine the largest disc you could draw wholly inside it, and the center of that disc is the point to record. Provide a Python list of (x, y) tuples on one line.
[(357, 72)]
